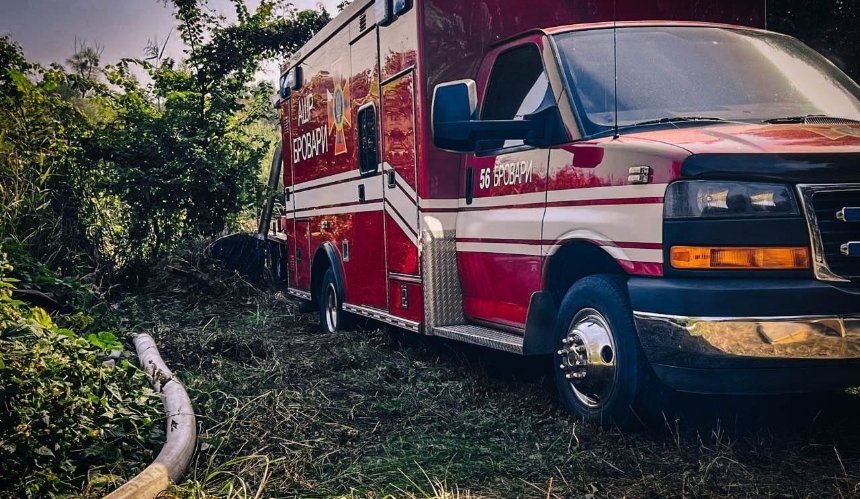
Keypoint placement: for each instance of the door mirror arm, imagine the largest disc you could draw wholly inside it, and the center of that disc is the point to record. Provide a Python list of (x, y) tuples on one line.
[(548, 128)]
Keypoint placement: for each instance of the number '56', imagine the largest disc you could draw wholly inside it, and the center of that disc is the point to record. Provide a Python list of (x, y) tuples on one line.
[(484, 182)]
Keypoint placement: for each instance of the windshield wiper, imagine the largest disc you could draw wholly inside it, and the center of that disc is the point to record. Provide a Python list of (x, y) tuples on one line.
[(809, 118), (676, 119)]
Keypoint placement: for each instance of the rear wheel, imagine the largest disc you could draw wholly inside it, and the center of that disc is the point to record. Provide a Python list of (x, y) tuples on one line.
[(332, 316), (600, 370)]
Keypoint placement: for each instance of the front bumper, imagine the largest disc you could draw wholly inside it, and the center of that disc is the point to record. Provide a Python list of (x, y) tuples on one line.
[(736, 351)]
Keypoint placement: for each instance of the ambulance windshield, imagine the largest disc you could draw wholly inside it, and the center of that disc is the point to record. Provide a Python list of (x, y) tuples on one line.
[(669, 73)]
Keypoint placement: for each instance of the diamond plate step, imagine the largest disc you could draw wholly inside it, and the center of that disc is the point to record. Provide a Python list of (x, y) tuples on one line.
[(482, 336)]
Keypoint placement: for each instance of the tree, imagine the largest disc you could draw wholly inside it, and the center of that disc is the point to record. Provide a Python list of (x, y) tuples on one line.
[(85, 65), (182, 157), (830, 28), (44, 183)]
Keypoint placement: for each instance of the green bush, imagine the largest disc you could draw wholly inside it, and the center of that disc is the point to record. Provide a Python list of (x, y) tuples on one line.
[(65, 409)]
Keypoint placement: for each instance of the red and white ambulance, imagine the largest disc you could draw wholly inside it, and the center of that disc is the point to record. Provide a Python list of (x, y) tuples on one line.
[(654, 193)]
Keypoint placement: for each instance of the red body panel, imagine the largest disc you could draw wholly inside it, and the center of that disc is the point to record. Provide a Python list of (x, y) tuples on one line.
[(401, 249), (501, 296), (414, 310), (398, 153), (398, 127), (322, 116), (300, 256)]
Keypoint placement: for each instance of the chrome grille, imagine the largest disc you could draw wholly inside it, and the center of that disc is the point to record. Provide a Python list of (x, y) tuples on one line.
[(821, 203), (834, 233)]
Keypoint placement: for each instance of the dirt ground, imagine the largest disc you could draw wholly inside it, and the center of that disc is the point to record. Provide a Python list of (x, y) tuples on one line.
[(285, 411)]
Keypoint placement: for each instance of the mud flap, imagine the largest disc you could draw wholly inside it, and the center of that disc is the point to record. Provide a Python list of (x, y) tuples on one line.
[(540, 324)]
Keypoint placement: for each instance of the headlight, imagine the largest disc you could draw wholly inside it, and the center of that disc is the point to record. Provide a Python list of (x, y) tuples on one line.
[(710, 199)]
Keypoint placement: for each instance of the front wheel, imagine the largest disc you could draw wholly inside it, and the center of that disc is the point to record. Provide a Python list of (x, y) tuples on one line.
[(600, 370)]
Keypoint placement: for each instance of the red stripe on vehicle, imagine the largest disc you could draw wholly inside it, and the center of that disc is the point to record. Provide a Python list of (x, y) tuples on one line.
[(390, 207), (403, 190), (635, 245), (534, 242), (599, 202), (440, 210)]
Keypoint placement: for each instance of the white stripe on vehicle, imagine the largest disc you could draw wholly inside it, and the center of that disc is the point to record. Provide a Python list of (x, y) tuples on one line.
[(345, 192), (641, 223), (337, 177), (504, 223), (500, 248), (608, 192), (340, 210)]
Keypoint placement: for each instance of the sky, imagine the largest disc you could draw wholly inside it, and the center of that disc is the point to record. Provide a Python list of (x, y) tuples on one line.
[(46, 29)]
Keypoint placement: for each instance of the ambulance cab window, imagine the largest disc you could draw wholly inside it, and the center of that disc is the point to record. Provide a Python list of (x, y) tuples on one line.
[(368, 143), (518, 86)]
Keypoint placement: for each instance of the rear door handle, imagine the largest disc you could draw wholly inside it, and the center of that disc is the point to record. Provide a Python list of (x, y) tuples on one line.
[(361, 198)]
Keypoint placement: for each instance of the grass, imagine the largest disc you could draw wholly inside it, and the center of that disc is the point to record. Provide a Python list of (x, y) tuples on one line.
[(285, 411)]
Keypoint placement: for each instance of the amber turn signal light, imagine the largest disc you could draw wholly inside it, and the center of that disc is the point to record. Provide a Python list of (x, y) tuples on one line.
[(697, 257)]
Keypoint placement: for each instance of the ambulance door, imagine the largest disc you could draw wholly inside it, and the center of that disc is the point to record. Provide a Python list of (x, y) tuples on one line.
[(311, 164), (363, 254), (499, 224), (401, 198), (298, 275)]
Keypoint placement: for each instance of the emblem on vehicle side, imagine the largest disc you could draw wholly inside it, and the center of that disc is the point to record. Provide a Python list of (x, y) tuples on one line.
[(338, 109)]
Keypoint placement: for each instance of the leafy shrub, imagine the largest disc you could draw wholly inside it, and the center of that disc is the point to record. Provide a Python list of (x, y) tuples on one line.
[(65, 409), (45, 183)]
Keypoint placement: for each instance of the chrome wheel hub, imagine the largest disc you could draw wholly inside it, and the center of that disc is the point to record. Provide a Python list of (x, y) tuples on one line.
[(587, 358), (331, 308)]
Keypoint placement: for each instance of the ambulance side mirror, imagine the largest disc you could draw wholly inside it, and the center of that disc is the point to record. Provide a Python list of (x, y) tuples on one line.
[(454, 108), (457, 129)]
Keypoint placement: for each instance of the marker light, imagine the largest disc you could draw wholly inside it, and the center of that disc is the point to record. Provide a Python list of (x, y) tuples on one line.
[(710, 199), (728, 258)]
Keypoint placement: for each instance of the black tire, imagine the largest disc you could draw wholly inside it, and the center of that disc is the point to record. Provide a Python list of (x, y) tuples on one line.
[(331, 314), (595, 326)]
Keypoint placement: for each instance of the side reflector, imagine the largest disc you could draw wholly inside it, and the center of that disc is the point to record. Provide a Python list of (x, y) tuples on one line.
[(696, 257)]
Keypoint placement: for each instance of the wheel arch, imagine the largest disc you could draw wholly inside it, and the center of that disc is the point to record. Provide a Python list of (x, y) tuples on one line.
[(573, 261), (327, 257)]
